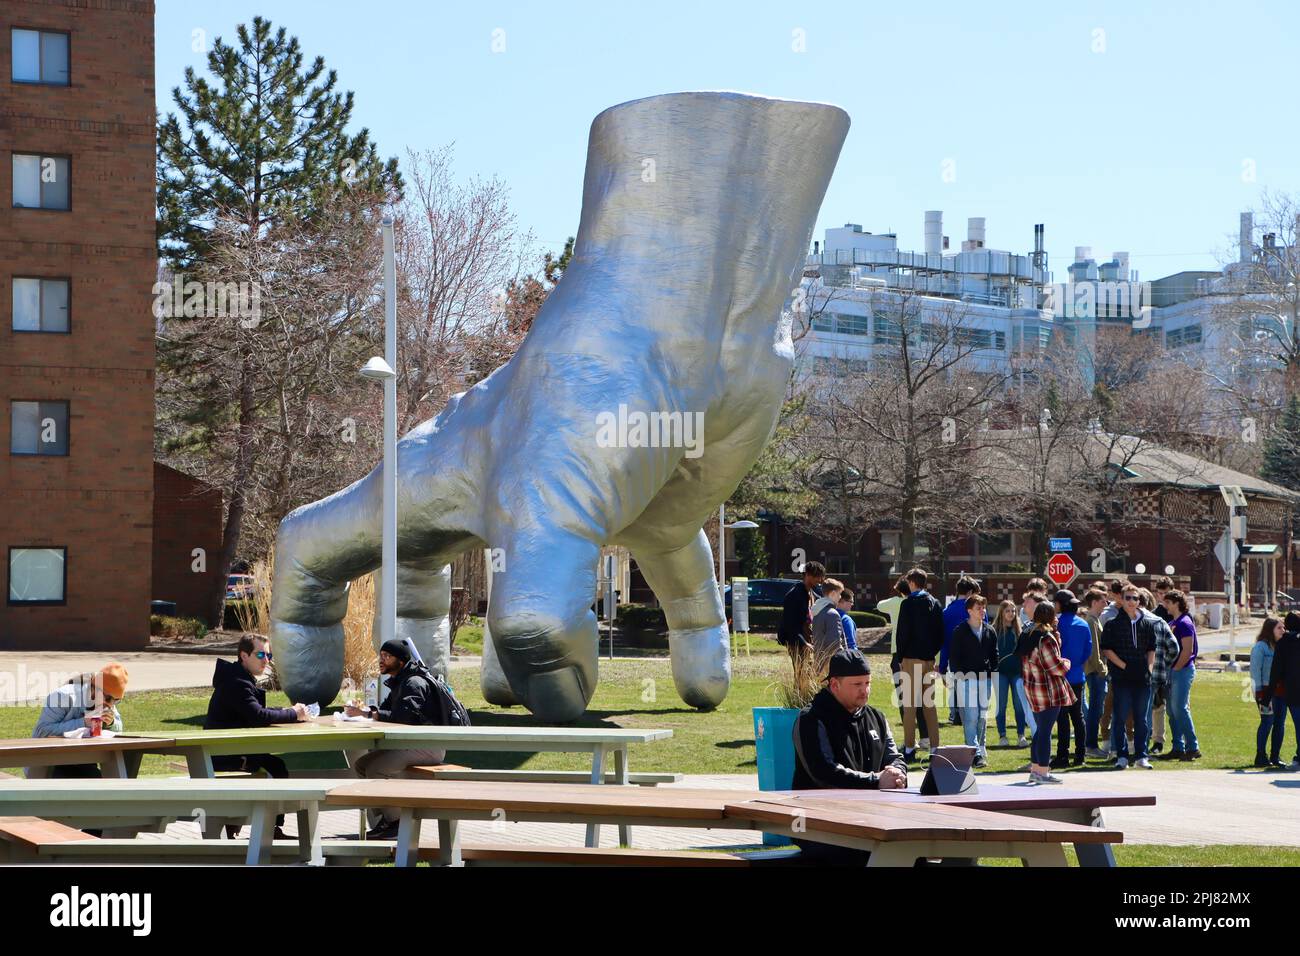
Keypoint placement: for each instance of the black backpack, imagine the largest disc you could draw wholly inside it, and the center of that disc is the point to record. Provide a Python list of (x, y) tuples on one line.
[(442, 707)]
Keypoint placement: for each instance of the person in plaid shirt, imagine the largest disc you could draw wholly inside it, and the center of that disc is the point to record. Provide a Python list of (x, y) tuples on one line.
[(1044, 671)]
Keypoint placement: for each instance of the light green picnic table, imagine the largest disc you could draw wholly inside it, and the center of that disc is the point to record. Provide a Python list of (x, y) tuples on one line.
[(129, 803)]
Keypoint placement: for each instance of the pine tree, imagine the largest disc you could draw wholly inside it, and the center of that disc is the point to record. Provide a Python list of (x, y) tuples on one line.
[(1282, 448), (259, 154)]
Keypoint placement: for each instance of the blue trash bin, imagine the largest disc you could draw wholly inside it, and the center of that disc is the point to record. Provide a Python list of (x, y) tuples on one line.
[(774, 741)]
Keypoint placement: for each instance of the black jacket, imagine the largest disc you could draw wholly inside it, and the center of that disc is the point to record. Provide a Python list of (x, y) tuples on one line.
[(972, 655), (410, 696), (237, 701), (1284, 678), (1130, 640), (920, 626), (795, 622), (836, 750)]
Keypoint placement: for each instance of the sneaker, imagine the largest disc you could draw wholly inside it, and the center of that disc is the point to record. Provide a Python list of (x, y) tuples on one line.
[(384, 830), (910, 755), (1121, 763), (1023, 741), (925, 743), (1144, 763), (1157, 747), (1191, 755), (1107, 750), (1003, 742), (1174, 755), (1045, 778), (1274, 762), (980, 763), (1059, 763), (1096, 753), (1077, 761), (1261, 760)]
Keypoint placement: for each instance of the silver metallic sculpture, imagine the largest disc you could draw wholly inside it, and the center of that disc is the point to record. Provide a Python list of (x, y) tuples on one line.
[(697, 210)]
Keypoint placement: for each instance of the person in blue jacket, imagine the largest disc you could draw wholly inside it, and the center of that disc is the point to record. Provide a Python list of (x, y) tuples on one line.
[(953, 615), (1076, 647), (845, 605)]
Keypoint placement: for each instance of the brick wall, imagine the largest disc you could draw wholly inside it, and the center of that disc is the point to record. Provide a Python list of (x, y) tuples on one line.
[(97, 501), (186, 515)]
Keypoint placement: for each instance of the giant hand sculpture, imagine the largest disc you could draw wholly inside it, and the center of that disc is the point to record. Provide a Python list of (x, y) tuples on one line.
[(697, 210)]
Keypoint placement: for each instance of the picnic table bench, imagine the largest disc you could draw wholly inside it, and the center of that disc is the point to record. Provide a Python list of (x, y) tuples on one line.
[(354, 737), (120, 803), (896, 833), (116, 756)]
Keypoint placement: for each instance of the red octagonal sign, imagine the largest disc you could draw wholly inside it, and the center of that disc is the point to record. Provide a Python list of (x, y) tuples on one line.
[(1061, 570)]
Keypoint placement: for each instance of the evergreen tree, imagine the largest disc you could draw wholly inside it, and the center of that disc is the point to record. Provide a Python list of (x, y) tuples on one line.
[(1282, 448)]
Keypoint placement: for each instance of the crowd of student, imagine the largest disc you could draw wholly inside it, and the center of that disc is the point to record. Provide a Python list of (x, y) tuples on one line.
[(1105, 671)]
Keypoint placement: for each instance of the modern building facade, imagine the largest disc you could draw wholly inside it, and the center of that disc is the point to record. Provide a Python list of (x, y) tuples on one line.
[(77, 266)]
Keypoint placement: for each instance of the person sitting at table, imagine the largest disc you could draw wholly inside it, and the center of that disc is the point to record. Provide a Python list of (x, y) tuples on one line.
[(74, 707), (413, 698), (238, 702), (841, 742)]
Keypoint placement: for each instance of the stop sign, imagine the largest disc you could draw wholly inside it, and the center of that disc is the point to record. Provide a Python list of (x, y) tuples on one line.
[(1061, 570)]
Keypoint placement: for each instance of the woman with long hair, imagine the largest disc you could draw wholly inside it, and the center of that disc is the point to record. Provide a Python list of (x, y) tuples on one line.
[(1178, 701), (1044, 672), (1261, 662), (1007, 627)]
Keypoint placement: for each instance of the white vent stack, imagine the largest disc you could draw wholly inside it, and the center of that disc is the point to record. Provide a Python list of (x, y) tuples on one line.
[(975, 231), (1247, 241), (1082, 253), (934, 232), (1122, 259)]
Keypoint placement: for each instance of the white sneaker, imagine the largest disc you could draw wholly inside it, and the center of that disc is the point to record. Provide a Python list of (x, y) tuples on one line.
[(1095, 753), (925, 743), (1023, 741), (1121, 763), (1145, 764), (1003, 742)]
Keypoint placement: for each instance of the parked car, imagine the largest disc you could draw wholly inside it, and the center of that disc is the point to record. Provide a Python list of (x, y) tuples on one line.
[(240, 587), (763, 592)]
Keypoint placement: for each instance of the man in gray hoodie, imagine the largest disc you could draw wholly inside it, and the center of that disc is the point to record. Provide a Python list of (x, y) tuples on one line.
[(827, 625)]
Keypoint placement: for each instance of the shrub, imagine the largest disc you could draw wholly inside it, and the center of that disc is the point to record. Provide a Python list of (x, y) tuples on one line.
[(176, 628)]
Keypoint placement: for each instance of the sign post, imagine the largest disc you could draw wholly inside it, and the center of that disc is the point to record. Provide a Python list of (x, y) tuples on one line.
[(1236, 537)]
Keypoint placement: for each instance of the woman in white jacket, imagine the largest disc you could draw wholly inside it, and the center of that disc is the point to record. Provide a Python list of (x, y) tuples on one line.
[(71, 707)]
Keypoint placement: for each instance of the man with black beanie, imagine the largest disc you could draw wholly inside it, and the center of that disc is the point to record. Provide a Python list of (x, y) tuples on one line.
[(410, 700)]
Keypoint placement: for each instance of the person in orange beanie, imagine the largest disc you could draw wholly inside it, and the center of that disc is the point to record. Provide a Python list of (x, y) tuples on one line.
[(73, 706)]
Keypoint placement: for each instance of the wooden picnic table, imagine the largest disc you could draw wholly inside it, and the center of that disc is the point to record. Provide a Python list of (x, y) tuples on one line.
[(116, 756), (896, 833), (1043, 803), (128, 803), (354, 737)]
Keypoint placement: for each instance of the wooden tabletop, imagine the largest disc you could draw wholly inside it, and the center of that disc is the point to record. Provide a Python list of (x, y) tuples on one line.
[(14, 751), (990, 797), (146, 789), (556, 798), (893, 821)]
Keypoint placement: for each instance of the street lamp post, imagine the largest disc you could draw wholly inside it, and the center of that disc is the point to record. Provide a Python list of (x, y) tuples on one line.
[(382, 369), (722, 547)]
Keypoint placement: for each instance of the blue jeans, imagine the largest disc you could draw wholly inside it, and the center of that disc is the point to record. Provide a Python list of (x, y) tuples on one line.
[(1178, 705), (1040, 751), (1031, 723), (972, 699), (1096, 685), (1131, 700), (1280, 708), (1270, 723), (1004, 688)]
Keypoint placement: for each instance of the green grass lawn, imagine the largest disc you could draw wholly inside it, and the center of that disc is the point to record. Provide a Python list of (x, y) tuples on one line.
[(640, 693)]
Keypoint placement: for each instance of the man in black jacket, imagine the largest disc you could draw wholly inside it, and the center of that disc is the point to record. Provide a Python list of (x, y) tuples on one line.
[(795, 632), (237, 702), (842, 743), (411, 699), (1128, 642), (920, 636)]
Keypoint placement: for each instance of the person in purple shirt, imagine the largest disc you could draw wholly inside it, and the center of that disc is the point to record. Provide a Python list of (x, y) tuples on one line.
[(953, 615), (1178, 704)]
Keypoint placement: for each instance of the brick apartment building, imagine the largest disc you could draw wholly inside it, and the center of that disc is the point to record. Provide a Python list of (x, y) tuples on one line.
[(77, 265)]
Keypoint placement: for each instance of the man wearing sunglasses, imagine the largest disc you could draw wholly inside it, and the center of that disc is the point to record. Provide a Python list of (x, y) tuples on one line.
[(1128, 641), (237, 701)]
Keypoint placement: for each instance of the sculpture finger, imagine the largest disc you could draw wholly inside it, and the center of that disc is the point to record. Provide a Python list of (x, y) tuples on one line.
[(423, 610), (698, 641)]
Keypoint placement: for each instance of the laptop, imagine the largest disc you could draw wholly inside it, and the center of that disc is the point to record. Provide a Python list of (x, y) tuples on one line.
[(950, 772)]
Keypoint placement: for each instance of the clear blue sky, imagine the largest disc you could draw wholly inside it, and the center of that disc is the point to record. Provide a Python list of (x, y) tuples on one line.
[(1139, 145)]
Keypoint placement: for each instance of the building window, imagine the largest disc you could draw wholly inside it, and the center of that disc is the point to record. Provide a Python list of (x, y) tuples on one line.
[(38, 428), (1187, 335), (40, 56), (41, 182), (38, 575), (40, 305)]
